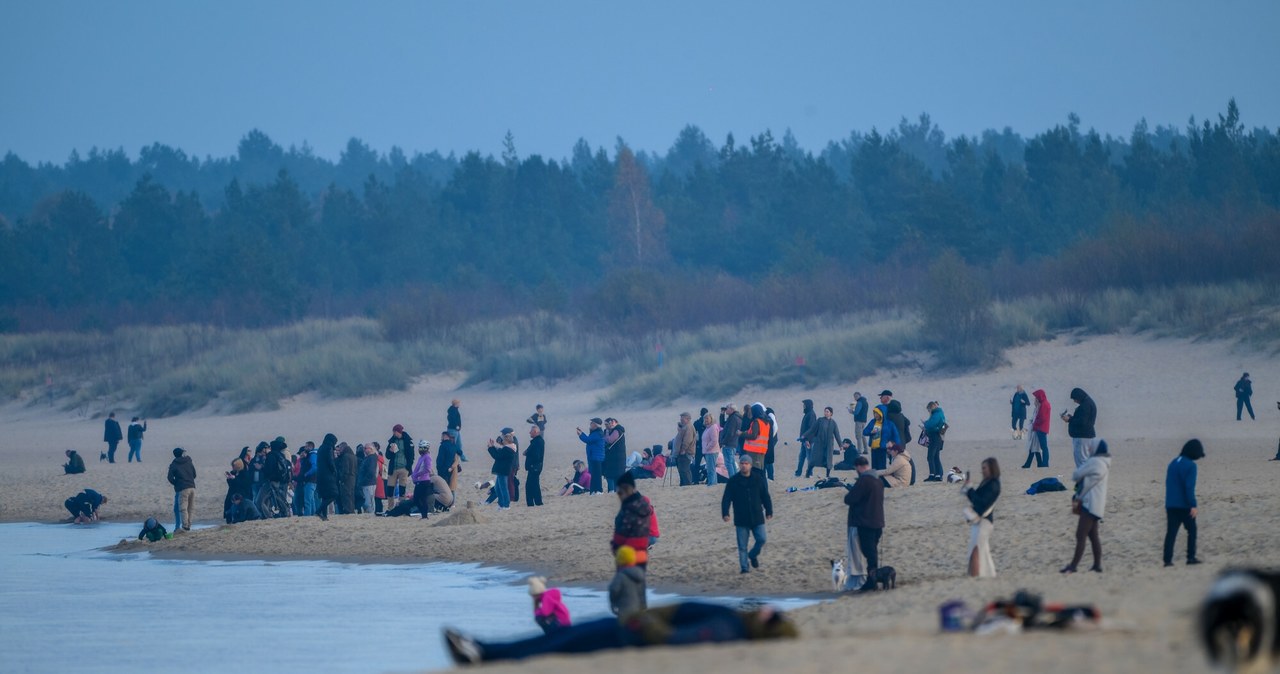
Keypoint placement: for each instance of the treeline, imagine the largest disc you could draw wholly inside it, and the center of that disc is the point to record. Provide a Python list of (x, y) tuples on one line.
[(704, 233)]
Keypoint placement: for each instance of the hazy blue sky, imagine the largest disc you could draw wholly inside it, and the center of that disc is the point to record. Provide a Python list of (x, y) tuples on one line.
[(457, 75)]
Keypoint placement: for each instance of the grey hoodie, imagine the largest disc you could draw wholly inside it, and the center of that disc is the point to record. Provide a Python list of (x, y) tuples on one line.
[(627, 591)]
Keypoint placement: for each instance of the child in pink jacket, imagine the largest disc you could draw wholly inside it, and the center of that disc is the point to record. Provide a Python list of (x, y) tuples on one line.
[(548, 610)]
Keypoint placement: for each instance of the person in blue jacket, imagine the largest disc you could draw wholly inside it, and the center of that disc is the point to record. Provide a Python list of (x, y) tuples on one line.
[(594, 440), (934, 427), (1180, 500)]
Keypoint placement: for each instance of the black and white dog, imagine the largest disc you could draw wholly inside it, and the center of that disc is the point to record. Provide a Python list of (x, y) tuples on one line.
[(1239, 621)]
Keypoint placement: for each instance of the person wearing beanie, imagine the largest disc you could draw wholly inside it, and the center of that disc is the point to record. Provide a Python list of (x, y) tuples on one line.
[(633, 524), (1090, 501), (182, 475), (748, 493), (627, 590), (549, 610), (1180, 500)]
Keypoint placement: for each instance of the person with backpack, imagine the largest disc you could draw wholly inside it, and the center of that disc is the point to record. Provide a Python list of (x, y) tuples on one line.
[(1180, 500), (934, 427)]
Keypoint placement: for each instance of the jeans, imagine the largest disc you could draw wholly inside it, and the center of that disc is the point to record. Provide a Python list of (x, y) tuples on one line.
[(533, 488), (177, 510), (935, 455), (1176, 518), (728, 453), (743, 555), (804, 454), (1242, 404), (596, 468), (1041, 457), (879, 459), (308, 498), (710, 460), (457, 440), (610, 483), (135, 450), (768, 471), (369, 503), (501, 487)]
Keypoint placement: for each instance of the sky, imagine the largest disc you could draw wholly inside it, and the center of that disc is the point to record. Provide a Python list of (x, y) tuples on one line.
[(457, 76)]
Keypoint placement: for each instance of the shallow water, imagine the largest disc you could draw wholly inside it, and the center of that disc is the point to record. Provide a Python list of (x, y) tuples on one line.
[(66, 605)]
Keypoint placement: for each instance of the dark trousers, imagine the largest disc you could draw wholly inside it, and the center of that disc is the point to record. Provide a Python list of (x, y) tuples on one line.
[(594, 635), (533, 488), (804, 455), (596, 468), (682, 465), (869, 544), (422, 492), (326, 501), (112, 444), (1175, 518), (879, 459), (935, 455), (1042, 460), (1019, 421), (1241, 405), (1087, 529)]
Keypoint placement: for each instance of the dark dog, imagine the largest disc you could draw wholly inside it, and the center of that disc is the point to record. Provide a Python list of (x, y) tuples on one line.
[(885, 578)]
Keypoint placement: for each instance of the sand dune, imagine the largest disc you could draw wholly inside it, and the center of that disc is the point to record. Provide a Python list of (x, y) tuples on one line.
[(1152, 395)]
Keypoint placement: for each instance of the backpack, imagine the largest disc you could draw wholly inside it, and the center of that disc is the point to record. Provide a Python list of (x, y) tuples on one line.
[(828, 483), (1046, 485)]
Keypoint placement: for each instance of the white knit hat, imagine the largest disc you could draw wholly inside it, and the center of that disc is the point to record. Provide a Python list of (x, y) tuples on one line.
[(537, 585)]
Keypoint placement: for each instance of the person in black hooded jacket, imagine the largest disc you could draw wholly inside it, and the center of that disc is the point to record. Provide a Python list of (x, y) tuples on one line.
[(327, 475), (346, 462), (806, 422), (1080, 426), (900, 420)]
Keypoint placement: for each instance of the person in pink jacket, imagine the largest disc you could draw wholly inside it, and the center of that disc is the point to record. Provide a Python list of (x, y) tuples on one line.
[(1038, 443), (549, 610)]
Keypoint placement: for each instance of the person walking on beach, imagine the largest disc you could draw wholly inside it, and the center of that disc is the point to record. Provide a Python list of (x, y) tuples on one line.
[(594, 440), (1018, 404), (823, 437), (422, 486), (112, 436), (1038, 444), (533, 457), (686, 446), (748, 493), (1180, 500), (859, 409), (982, 501), (710, 446), (1091, 502), (807, 421), (865, 524), (1244, 395), (634, 522), (1080, 426), (453, 422), (615, 452), (934, 427), (74, 464), (136, 428), (182, 475)]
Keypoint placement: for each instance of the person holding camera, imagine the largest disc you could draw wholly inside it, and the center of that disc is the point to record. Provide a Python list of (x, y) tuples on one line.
[(594, 441), (136, 428), (1080, 426), (982, 500)]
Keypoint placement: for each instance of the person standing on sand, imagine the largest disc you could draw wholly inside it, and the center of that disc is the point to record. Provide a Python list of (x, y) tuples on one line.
[(447, 463), (182, 475), (277, 470), (503, 452), (634, 522), (822, 437), (710, 446), (136, 428), (982, 500), (615, 453), (1038, 444), (1018, 404), (859, 409), (367, 478), (865, 524), (399, 462), (686, 446), (627, 590), (748, 492), (1180, 500), (807, 421), (1080, 426), (422, 486), (730, 433), (755, 439), (112, 436), (1244, 395), (538, 418), (327, 474), (453, 422), (347, 464), (1091, 502), (934, 427), (594, 440), (533, 457)]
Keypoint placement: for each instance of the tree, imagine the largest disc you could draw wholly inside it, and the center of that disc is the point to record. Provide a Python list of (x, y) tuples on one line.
[(955, 305), (634, 220)]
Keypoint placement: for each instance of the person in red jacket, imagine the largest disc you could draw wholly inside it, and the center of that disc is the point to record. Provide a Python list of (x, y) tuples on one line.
[(1038, 443), (653, 466), (634, 521)]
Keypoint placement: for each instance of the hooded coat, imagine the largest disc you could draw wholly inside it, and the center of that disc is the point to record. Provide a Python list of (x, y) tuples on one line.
[(627, 591), (327, 468), (824, 437), (182, 473), (346, 474), (808, 420), (615, 452), (1043, 412), (1085, 416), (893, 414), (1092, 479)]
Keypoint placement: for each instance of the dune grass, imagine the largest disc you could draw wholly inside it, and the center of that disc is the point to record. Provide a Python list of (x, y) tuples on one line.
[(167, 370)]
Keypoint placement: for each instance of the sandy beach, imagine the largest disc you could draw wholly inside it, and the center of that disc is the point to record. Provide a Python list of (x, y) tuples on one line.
[(1152, 396)]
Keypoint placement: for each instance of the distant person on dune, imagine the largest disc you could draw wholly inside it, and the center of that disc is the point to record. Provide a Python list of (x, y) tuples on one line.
[(112, 436), (1080, 426), (74, 464), (1244, 395)]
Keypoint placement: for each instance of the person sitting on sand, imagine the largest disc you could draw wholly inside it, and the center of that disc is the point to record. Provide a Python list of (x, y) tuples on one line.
[(74, 464), (627, 590), (242, 510), (153, 531), (899, 472), (652, 465), (675, 625), (549, 610), (580, 483), (84, 506)]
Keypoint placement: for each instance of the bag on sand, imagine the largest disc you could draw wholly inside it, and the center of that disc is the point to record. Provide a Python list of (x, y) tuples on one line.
[(828, 483)]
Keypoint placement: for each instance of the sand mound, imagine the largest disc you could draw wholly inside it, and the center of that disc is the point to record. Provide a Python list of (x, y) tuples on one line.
[(468, 515)]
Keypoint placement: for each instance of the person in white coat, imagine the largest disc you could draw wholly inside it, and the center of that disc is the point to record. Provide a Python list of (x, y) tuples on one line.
[(1090, 501)]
